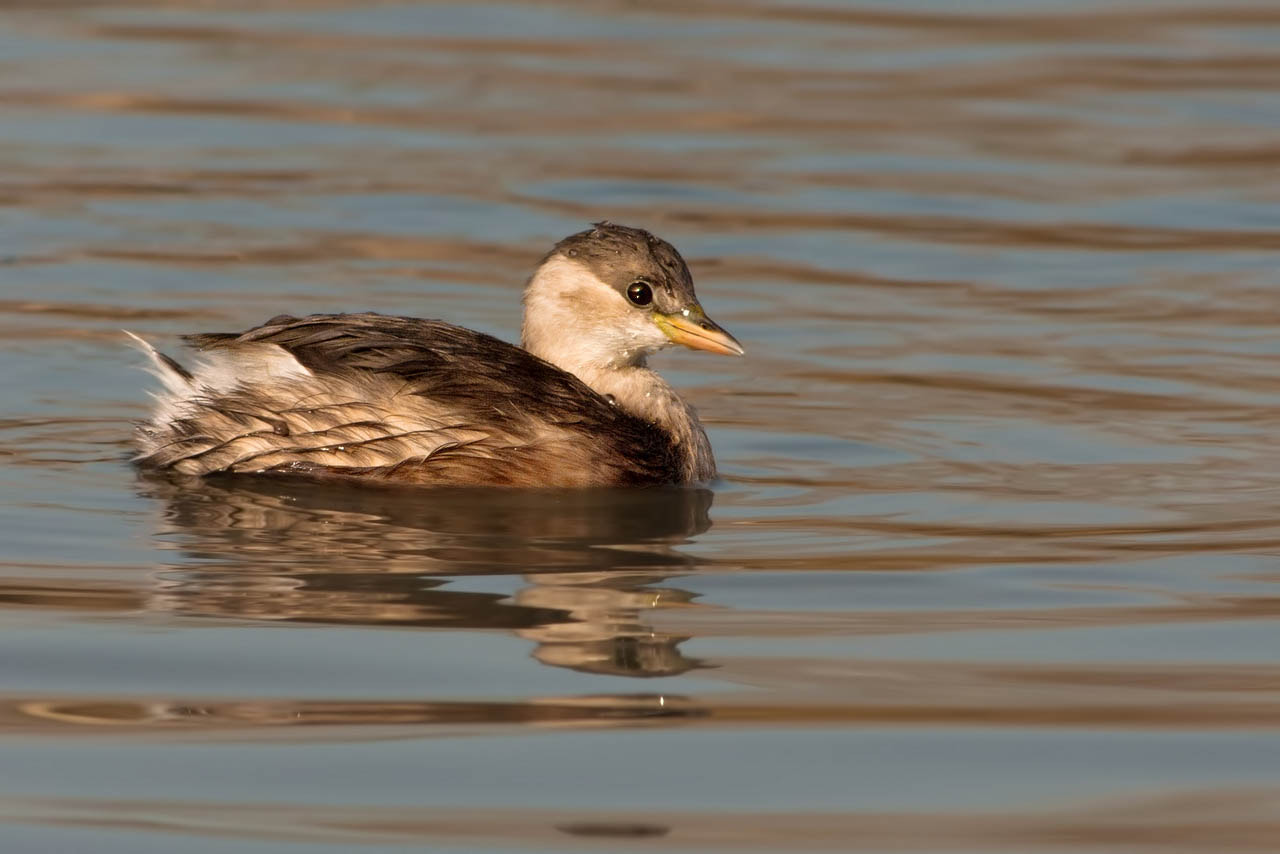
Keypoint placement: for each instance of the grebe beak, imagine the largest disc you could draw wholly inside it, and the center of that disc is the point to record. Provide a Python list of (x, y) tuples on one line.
[(692, 328)]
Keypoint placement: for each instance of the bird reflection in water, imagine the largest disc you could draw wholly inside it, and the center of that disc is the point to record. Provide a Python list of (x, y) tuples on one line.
[(280, 549)]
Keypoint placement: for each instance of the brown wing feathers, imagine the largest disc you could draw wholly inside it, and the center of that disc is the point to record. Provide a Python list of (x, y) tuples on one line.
[(400, 399)]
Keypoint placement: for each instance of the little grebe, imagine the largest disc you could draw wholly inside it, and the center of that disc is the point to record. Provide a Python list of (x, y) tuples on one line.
[(403, 400)]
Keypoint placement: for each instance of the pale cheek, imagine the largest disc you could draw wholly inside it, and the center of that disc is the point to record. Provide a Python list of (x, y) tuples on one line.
[(646, 335)]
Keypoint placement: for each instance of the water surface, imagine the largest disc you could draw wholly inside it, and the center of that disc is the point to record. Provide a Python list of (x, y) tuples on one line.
[(993, 562)]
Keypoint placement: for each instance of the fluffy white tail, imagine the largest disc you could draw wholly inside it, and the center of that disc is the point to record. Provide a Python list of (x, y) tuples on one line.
[(177, 380)]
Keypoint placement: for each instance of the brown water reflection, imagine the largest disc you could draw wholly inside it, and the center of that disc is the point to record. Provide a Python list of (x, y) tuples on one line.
[(600, 596), (268, 550)]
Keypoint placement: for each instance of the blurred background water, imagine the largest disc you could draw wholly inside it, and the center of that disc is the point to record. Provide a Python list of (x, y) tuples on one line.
[(993, 562)]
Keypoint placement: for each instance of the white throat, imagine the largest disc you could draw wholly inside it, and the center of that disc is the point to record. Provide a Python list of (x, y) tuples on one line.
[(580, 324)]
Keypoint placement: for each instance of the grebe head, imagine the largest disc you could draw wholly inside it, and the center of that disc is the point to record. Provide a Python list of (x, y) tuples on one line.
[(607, 297)]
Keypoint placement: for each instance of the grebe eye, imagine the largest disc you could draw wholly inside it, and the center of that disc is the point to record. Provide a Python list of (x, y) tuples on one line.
[(640, 293)]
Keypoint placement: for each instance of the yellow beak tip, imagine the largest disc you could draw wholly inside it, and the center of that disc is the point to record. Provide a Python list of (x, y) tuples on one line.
[(699, 334)]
